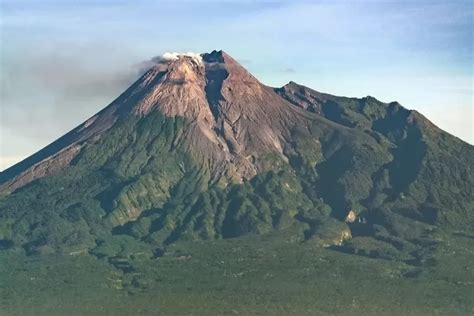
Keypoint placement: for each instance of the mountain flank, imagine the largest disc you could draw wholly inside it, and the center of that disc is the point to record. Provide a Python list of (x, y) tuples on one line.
[(197, 149)]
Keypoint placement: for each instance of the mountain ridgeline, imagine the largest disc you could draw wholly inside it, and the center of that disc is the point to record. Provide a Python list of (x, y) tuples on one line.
[(199, 149)]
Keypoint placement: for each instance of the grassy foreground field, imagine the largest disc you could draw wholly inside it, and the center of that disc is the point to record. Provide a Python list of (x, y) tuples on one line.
[(245, 276)]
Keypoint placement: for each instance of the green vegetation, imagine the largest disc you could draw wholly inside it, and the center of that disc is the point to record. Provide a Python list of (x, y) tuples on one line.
[(138, 222), (252, 275)]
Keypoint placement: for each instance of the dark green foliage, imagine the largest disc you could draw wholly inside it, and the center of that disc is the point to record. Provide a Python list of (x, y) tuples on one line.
[(133, 195), (267, 275), (130, 168), (270, 201), (136, 181)]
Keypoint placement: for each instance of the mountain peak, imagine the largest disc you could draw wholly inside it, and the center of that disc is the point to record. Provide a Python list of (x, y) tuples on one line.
[(214, 56), (195, 124), (192, 85), (197, 150), (229, 116), (170, 57), (235, 70)]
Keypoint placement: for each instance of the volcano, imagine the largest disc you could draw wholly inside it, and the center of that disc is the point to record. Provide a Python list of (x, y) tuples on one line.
[(203, 186), (199, 149)]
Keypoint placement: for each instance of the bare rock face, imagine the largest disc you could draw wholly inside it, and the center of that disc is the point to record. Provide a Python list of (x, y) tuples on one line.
[(302, 97), (43, 168), (230, 118), (351, 217)]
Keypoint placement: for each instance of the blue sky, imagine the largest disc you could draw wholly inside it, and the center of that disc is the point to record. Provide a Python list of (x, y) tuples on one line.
[(62, 61)]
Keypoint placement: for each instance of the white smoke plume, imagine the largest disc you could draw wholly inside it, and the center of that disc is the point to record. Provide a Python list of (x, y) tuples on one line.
[(170, 56)]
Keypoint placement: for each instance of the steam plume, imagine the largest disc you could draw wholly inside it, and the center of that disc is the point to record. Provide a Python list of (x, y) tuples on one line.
[(170, 56)]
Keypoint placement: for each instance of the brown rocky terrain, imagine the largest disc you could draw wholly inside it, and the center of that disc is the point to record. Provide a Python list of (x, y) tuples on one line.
[(231, 118)]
